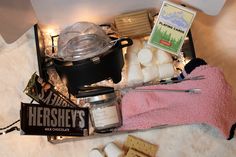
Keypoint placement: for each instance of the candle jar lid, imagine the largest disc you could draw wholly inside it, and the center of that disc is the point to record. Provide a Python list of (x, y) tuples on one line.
[(90, 92), (100, 98)]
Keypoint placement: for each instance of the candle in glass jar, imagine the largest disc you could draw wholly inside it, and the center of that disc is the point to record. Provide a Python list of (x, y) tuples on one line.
[(104, 111)]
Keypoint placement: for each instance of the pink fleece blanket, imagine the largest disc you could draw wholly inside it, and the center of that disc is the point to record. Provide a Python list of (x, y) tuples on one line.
[(214, 106)]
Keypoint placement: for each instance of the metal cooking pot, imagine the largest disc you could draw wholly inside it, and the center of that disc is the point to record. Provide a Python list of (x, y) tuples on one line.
[(107, 65)]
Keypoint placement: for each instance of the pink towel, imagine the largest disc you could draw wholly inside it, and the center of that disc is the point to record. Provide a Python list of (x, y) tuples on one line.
[(214, 105)]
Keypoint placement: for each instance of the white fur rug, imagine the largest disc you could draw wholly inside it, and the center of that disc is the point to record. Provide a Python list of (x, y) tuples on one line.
[(18, 62)]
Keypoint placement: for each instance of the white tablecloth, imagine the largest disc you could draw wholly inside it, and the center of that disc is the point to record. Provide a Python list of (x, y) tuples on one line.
[(18, 62)]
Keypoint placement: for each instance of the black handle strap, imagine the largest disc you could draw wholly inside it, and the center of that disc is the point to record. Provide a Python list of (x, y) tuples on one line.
[(232, 130), (92, 91), (128, 41)]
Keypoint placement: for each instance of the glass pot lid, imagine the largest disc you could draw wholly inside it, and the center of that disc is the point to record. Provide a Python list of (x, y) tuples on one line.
[(81, 41)]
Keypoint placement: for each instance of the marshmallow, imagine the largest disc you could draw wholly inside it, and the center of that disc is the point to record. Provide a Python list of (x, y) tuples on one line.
[(96, 153), (145, 56), (150, 73), (135, 75), (166, 71), (132, 58), (112, 150), (162, 57)]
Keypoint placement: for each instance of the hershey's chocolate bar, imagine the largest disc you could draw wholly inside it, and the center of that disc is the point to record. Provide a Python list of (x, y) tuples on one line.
[(45, 93), (57, 121)]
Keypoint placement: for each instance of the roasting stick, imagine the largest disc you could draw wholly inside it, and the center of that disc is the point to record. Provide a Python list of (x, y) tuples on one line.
[(200, 77), (194, 78), (193, 90)]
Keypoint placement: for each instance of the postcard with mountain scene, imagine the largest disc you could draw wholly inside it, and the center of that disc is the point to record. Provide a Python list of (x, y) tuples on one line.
[(171, 27)]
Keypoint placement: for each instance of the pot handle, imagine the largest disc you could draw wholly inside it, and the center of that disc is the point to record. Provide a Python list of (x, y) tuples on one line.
[(129, 42)]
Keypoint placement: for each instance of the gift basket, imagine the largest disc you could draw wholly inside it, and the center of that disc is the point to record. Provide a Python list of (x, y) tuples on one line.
[(94, 66)]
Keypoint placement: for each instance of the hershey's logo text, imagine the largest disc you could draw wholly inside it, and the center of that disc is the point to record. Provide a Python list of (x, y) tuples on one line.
[(56, 117), (52, 99)]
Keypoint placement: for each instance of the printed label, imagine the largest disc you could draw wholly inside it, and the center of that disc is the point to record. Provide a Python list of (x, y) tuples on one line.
[(105, 116)]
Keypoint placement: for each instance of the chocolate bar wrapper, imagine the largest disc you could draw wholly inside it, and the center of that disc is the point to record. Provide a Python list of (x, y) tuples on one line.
[(37, 119), (45, 93)]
